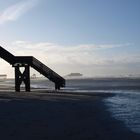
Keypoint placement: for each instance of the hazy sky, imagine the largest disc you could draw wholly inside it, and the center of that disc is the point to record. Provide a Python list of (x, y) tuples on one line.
[(93, 37)]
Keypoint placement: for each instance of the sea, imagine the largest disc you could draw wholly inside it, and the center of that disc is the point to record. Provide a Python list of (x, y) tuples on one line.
[(124, 105)]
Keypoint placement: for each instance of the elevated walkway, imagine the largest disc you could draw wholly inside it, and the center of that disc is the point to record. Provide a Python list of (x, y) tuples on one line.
[(26, 62)]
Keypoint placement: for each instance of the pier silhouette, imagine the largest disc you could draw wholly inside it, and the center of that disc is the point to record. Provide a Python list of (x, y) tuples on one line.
[(26, 62)]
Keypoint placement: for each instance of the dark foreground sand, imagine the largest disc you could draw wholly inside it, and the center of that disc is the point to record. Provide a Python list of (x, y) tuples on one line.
[(55, 116)]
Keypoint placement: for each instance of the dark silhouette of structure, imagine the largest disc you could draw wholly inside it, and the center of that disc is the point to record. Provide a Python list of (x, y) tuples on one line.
[(26, 62)]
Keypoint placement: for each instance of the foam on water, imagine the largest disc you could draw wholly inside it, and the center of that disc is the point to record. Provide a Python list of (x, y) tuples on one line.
[(126, 108)]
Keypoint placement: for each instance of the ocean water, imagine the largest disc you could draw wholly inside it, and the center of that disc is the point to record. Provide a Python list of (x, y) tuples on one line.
[(124, 105)]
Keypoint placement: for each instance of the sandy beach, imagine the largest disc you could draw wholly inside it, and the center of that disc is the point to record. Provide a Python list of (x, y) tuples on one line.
[(41, 115)]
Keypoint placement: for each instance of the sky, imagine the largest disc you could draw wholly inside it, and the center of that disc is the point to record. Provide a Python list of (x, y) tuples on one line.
[(92, 37)]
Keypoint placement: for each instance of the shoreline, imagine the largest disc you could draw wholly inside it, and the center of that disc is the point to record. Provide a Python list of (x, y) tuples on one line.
[(40, 115)]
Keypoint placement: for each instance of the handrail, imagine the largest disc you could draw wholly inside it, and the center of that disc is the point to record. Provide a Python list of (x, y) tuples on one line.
[(7, 56), (46, 71)]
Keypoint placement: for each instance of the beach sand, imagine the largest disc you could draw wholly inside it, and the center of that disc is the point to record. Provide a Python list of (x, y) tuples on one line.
[(41, 115)]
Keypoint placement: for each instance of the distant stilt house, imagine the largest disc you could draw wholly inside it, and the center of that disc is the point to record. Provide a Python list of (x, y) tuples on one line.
[(74, 75), (33, 76), (3, 76)]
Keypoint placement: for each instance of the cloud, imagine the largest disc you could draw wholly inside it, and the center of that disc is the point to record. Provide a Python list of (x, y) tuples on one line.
[(87, 59), (13, 12), (103, 46), (80, 55)]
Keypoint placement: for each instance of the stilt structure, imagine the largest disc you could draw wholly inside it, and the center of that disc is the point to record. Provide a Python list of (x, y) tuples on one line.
[(22, 77), (25, 62)]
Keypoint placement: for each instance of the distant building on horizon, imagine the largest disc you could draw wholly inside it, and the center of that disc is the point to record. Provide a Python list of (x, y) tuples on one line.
[(74, 75), (33, 76), (3, 76)]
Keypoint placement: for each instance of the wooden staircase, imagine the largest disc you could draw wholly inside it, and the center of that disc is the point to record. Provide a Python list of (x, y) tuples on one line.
[(26, 62)]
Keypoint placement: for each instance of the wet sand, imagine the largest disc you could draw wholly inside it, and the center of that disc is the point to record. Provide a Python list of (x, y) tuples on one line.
[(42, 115)]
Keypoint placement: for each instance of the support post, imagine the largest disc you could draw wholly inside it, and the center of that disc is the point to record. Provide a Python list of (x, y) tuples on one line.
[(57, 86), (18, 80), (26, 79), (22, 77)]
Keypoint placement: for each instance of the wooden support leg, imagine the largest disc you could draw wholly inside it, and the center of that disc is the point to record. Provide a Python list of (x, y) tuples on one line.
[(57, 87), (22, 77), (26, 79), (18, 80)]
